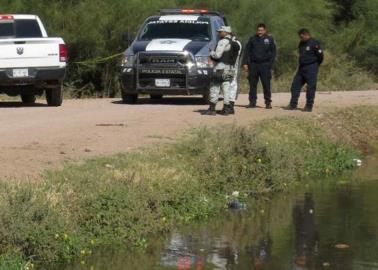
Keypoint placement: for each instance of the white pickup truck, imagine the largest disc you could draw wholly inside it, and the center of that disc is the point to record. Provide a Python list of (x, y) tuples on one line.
[(31, 63)]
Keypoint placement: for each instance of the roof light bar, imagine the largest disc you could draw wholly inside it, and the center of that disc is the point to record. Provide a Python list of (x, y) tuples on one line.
[(6, 17), (196, 11), (189, 11), (201, 12)]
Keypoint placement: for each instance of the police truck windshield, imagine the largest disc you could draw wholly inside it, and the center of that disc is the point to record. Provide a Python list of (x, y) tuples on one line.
[(19, 29), (198, 30)]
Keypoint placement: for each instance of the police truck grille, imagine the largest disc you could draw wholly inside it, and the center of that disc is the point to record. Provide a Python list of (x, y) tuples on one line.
[(162, 60), (152, 66)]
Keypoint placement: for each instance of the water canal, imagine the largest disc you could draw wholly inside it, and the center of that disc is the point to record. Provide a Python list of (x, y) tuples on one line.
[(332, 224)]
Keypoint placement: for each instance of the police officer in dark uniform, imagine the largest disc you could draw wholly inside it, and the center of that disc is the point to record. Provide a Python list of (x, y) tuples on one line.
[(311, 56), (260, 54)]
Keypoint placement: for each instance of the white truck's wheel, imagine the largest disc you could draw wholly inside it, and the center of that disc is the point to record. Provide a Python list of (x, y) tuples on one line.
[(54, 97)]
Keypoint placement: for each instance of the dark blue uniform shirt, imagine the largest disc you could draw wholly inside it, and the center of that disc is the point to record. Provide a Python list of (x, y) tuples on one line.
[(310, 52), (260, 50)]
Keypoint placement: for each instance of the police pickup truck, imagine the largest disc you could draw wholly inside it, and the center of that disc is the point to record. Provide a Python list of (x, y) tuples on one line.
[(171, 55), (31, 63)]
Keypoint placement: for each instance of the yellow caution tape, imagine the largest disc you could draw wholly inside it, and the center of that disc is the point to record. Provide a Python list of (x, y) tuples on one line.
[(97, 61)]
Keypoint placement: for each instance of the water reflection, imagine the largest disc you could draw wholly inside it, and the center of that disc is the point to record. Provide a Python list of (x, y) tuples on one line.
[(296, 231), (262, 252), (306, 236)]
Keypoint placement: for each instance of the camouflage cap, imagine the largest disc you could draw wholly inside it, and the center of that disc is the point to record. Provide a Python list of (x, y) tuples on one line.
[(226, 29)]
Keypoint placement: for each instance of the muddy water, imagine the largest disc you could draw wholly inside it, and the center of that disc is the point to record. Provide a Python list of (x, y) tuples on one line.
[(330, 225)]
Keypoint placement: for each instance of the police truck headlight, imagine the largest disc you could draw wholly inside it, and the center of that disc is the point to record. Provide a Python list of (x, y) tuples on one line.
[(204, 62), (128, 61)]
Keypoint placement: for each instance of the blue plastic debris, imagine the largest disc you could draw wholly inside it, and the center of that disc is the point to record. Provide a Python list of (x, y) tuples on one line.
[(237, 205)]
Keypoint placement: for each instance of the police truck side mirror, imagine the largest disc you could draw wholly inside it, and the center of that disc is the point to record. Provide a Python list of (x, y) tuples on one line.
[(128, 38)]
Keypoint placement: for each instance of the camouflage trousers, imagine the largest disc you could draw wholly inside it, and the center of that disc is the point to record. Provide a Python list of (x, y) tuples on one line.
[(222, 85)]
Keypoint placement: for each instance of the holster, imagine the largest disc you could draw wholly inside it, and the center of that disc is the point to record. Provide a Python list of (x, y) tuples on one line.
[(221, 75), (218, 75)]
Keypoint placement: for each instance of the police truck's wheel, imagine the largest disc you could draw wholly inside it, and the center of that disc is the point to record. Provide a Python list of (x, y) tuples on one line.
[(156, 97), (54, 97), (129, 98), (28, 99), (206, 98)]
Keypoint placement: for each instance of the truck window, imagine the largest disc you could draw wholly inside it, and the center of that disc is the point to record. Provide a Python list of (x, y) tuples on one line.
[(27, 29), (6, 29), (20, 29), (193, 30)]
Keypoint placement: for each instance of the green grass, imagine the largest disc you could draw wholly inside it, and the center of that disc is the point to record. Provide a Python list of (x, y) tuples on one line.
[(125, 198), (14, 261)]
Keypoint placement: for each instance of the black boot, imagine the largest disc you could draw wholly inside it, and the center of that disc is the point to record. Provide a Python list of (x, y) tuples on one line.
[(252, 105), (307, 108), (268, 106), (291, 107), (226, 110), (211, 111), (232, 107)]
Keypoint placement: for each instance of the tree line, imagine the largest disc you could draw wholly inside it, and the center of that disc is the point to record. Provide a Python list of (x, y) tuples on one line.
[(94, 29)]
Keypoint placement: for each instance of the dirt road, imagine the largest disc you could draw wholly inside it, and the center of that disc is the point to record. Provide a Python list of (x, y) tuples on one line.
[(36, 138)]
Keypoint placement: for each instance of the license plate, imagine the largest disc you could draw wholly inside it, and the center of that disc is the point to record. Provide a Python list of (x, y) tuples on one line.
[(163, 83), (20, 73)]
